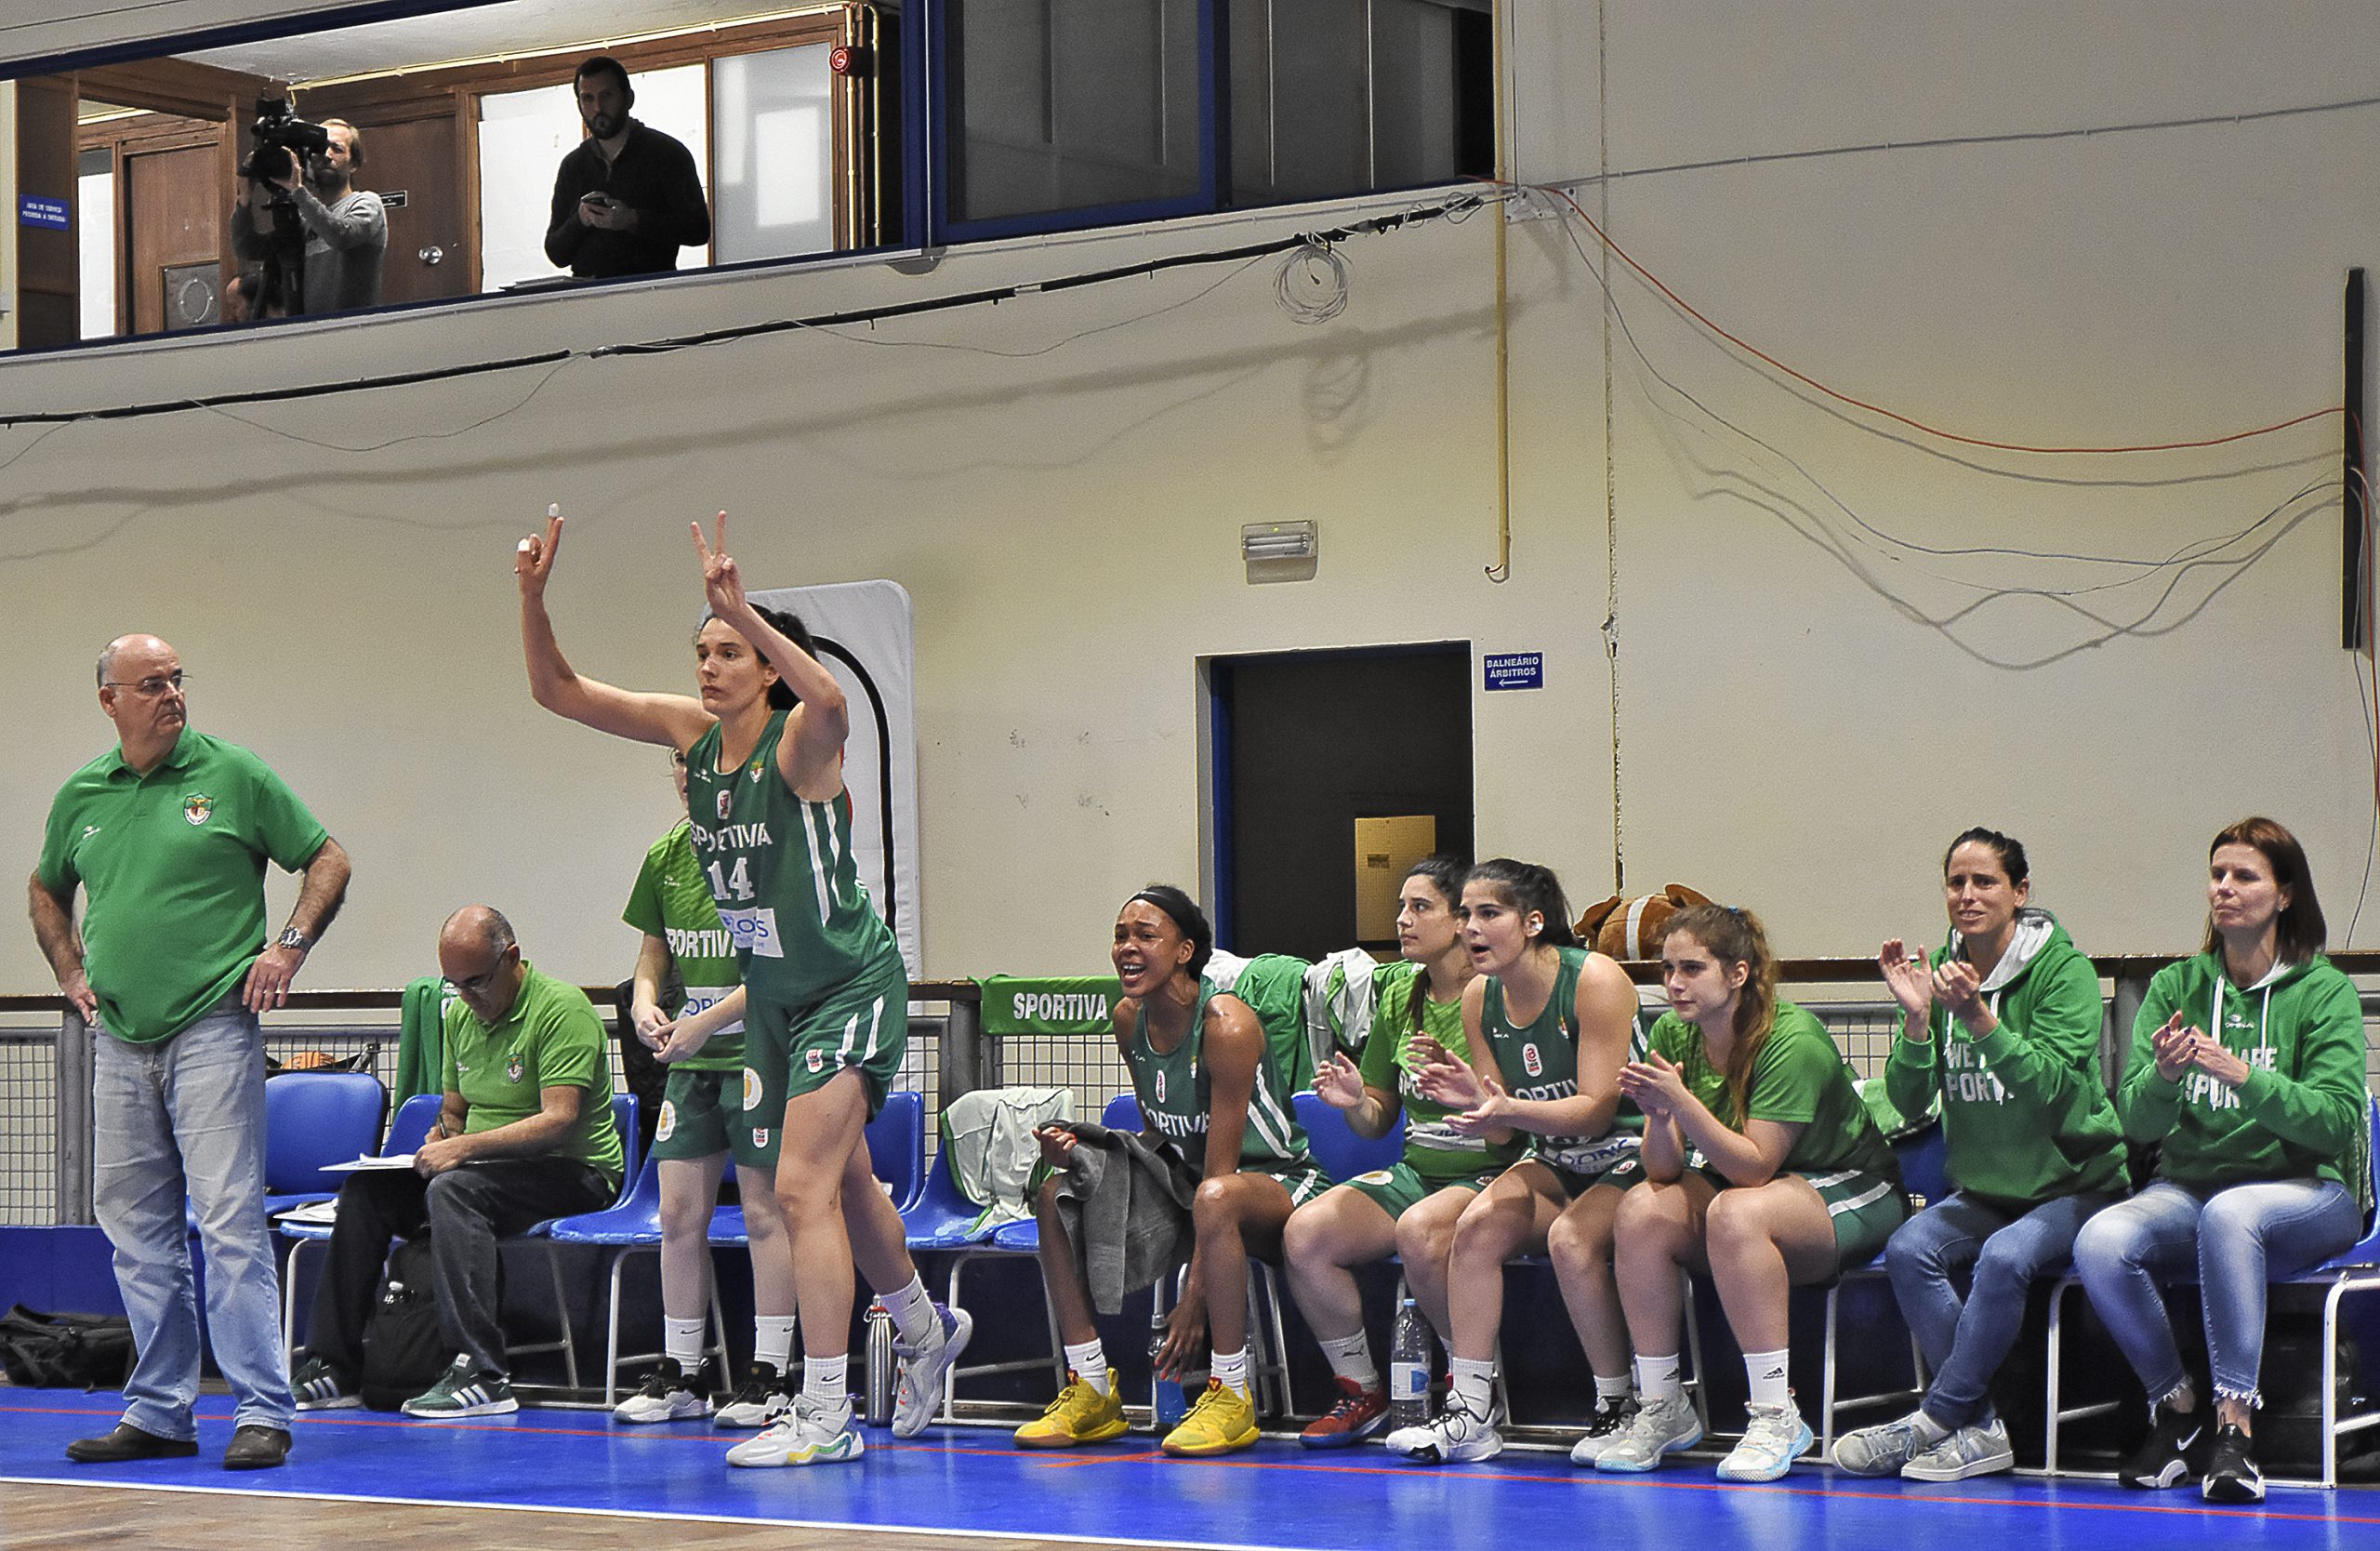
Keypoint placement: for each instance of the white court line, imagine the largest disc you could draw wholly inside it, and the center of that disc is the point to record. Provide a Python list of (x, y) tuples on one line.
[(844, 1525)]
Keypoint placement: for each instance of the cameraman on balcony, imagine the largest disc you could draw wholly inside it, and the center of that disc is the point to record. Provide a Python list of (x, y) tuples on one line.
[(628, 197), (321, 241)]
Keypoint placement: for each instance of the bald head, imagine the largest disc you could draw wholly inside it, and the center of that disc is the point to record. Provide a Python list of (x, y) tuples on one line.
[(147, 646), (481, 959)]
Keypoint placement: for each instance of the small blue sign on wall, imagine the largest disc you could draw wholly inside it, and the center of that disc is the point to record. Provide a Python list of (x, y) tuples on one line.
[(1516, 669), (51, 213)]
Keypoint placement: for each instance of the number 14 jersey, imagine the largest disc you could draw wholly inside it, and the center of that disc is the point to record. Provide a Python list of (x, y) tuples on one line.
[(782, 873)]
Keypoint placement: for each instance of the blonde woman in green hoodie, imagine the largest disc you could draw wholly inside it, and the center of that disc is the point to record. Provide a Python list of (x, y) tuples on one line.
[(2003, 1027), (2247, 1067)]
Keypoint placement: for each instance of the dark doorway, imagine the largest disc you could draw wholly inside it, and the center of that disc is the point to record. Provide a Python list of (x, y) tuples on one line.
[(1305, 744)]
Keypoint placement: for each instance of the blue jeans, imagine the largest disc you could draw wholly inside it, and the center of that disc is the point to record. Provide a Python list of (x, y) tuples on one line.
[(184, 1119), (2236, 1240), (1965, 1343)]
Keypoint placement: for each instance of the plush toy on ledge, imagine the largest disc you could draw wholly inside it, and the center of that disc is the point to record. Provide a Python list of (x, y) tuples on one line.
[(1631, 928)]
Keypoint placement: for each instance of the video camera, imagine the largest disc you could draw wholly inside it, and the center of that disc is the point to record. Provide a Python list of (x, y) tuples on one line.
[(284, 141)]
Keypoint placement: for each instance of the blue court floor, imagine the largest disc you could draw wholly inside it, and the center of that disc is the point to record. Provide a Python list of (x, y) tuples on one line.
[(964, 1481)]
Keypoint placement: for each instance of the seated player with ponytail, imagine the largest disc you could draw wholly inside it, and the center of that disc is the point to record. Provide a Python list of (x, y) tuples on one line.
[(1442, 1169), (1548, 1025), (1762, 1171)]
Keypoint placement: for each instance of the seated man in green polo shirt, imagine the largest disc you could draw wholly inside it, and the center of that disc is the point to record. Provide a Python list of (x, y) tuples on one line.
[(525, 1134)]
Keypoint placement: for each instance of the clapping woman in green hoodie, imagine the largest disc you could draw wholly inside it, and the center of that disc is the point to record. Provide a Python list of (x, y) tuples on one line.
[(2003, 1025), (2247, 1066)]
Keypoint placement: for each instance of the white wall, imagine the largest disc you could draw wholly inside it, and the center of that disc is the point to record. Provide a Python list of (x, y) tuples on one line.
[(1792, 735)]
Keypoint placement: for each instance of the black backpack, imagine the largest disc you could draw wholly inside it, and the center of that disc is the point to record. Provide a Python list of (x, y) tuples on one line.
[(65, 1351), (404, 1353)]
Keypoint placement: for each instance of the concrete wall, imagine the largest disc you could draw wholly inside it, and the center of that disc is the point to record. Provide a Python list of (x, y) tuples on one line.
[(1829, 656)]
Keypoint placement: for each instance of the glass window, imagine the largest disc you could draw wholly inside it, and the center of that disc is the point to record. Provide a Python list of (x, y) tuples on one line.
[(1069, 105), (773, 127), (524, 135)]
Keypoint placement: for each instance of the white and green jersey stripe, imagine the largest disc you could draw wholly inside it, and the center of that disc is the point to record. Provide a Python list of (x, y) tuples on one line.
[(1176, 1090), (783, 874)]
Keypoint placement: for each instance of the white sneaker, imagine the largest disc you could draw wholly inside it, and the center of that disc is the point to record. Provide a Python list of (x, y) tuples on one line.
[(1776, 1438), (667, 1396), (758, 1402), (1603, 1428), (1456, 1435), (1969, 1451), (1881, 1451), (925, 1370), (1659, 1428), (809, 1434)]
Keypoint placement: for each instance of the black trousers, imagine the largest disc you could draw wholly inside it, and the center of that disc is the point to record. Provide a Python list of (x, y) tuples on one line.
[(466, 1210)]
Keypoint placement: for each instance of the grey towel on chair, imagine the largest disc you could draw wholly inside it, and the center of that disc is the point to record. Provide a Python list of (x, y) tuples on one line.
[(1125, 1203)]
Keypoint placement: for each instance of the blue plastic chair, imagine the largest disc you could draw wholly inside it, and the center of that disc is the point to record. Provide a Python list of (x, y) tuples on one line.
[(2351, 1273), (1341, 1153), (411, 1123), (1925, 1163), (311, 1119), (623, 1117), (897, 1147)]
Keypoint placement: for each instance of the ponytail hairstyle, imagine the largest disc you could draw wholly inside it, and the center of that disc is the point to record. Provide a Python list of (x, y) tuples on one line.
[(787, 624), (1526, 886), (2010, 850), (1446, 875), (1188, 918), (2299, 933), (1734, 936)]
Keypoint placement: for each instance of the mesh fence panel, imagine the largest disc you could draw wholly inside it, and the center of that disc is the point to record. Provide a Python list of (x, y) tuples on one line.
[(29, 1142)]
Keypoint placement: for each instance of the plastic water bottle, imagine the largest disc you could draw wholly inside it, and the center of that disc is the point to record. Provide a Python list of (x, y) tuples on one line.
[(1171, 1405), (879, 1395), (1409, 1369)]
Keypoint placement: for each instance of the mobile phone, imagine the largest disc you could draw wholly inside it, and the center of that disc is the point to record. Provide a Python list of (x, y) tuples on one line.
[(600, 201)]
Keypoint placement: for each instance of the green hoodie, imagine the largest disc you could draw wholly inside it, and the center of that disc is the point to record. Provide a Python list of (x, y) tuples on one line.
[(2024, 1108), (2302, 1113)]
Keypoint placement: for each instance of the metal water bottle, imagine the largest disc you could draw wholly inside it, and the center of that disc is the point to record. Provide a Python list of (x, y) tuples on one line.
[(878, 1409), (1409, 1369)]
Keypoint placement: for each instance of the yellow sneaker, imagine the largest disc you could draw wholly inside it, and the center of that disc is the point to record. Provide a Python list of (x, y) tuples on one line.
[(1079, 1414), (1222, 1420)]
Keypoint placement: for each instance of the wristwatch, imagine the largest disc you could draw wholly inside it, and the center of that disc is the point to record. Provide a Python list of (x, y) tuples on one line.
[(297, 939)]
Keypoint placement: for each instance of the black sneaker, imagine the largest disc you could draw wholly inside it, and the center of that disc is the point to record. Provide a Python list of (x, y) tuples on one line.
[(671, 1394), (760, 1400), (2231, 1473), (2170, 1453), (1603, 1428)]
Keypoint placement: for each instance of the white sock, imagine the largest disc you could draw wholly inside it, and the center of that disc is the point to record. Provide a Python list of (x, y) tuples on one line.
[(1613, 1391), (1350, 1359), (1232, 1368), (912, 1310), (1928, 1431), (1656, 1378), (1766, 1372), (772, 1340), (1474, 1383), (821, 1380), (682, 1339), (1089, 1364)]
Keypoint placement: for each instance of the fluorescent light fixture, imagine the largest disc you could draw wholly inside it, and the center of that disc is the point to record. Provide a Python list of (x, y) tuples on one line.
[(1276, 541)]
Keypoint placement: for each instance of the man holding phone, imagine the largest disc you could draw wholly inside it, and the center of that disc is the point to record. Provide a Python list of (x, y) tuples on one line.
[(629, 197)]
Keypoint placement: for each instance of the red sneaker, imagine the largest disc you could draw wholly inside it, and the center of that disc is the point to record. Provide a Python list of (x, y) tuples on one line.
[(1359, 1414)]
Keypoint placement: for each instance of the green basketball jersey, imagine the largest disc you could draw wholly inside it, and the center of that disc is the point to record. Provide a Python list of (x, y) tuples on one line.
[(782, 872), (671, 900), (1433, 1148), (1540, 1060), (1175, 1090)]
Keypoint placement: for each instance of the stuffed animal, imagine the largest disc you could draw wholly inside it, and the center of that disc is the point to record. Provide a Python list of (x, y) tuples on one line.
[(1631, 928)]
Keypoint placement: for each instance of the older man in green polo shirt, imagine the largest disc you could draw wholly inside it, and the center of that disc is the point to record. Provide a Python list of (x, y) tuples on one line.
[(525, 1134), (167, 836)]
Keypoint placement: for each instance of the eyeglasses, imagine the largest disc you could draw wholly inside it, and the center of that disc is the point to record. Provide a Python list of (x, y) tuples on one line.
[(151, 688), (479, 985)]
